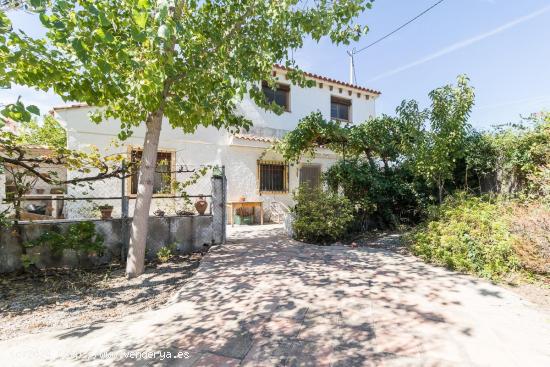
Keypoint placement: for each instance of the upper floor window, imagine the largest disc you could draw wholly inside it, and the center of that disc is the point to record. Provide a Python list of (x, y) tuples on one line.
[(340, 109), (280, 95), (164, 172), (272, 177)]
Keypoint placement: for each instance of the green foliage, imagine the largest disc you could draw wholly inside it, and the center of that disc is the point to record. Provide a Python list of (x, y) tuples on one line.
[(80, 236), (17, 111), (524, 157), (50, 133), (480, 155), (321, 216), (190, 61), (311, 132), (468, 234), (165, 253), (442, 144), (384, 197)]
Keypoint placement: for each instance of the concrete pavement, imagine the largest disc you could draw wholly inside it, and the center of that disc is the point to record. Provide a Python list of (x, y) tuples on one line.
[(265, 300)]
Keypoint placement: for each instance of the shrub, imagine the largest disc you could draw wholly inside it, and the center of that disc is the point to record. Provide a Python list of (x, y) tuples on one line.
[(321, 216), (468, 234), (384, 196), (80, 236), (166, 252)]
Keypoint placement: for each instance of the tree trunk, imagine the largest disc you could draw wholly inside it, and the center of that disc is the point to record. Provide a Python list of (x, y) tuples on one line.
[(138, 234)]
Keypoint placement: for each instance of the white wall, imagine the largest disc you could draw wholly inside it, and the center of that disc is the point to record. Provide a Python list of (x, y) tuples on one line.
[(303, 101), (210, 146)]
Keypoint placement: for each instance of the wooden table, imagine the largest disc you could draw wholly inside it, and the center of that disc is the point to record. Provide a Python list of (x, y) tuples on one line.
[(246, 204)]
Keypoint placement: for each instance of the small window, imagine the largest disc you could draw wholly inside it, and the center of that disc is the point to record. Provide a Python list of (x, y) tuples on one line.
[(310, 175), (340, 108), (164, 174), (273, 177), (280, 95)]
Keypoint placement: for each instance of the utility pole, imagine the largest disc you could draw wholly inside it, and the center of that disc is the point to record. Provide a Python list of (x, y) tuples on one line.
[(352, 76)]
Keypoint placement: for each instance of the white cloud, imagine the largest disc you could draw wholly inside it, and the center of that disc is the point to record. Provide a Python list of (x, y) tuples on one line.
[(462, 44)]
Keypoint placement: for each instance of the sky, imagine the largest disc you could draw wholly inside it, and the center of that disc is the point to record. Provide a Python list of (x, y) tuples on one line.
[(502, 45)]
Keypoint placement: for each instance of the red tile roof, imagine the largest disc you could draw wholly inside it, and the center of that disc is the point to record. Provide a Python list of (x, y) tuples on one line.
[(330, 80), (265, 139)]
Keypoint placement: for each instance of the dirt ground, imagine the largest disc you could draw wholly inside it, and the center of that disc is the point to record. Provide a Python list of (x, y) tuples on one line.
[(62, 298)]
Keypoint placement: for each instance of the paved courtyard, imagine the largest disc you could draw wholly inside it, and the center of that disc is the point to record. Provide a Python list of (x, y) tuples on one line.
[(264, 300)]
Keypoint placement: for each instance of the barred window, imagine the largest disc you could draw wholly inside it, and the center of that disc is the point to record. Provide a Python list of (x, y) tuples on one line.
[(310, 175), (162, 183), (272, 177)]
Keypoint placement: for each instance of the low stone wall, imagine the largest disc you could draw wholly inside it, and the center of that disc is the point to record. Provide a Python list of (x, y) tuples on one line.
[(189, 233)]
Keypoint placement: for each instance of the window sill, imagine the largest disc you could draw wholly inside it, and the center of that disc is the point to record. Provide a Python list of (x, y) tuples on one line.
[(337, 119), (273, 192)]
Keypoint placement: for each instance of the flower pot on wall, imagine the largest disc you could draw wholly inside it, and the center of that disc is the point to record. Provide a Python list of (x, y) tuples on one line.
[(201, 205), (106, 212)]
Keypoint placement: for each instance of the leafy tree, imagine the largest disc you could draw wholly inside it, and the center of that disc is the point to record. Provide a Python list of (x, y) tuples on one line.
[(442, 145), (140, 61)]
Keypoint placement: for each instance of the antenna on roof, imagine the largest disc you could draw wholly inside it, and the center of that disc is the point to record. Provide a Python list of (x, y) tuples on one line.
[(352, 76)]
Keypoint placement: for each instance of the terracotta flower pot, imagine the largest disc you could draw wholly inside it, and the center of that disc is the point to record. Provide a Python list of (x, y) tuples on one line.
[(106, 213), (201, 205)]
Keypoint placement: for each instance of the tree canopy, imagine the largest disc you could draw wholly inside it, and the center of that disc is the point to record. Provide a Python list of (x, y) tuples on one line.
[(196, 59)]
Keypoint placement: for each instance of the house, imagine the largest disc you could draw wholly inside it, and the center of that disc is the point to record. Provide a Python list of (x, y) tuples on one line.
[(251, 172)]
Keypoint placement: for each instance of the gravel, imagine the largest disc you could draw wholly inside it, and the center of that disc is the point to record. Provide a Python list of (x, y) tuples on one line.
[(63, 298)]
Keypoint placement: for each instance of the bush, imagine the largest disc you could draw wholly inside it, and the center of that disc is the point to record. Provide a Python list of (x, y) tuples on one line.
[(468, 234), (321, 216), (386, 197), (165, 253), (80, 236)]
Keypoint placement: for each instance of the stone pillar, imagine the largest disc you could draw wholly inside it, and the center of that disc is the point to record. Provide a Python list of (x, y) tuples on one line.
[(218, 208)]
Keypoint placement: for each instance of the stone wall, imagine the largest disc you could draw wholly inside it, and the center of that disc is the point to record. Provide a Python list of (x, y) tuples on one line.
[(189, 233)]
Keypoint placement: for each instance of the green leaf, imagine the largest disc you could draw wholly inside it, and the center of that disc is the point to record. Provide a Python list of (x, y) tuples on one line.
[(143, 4), (33, 109), (44, 19), (5, 23), (140, 18)]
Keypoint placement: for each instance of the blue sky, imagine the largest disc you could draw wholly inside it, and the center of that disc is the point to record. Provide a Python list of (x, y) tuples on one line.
[(502, 45)]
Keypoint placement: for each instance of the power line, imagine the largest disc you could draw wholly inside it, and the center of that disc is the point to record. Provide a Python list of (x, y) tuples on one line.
[(398, 28)]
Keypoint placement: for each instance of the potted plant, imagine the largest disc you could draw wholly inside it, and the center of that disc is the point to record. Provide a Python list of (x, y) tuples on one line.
[(159, 212), (201, 205), (244, 215), (184, 212), (106, 211)]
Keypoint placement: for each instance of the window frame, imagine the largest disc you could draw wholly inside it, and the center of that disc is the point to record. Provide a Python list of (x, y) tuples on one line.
[(286, 176), (172, 152), (342, 102), (280, 87)]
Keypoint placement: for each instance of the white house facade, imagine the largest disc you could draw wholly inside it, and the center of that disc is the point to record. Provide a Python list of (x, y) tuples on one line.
[(251, 172)]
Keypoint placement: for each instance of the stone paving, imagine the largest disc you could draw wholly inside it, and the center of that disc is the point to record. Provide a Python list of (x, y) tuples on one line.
[(264, 300)]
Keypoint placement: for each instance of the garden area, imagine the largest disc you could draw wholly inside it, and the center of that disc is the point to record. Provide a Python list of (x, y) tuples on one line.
[(49, 299), (473, 201)]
